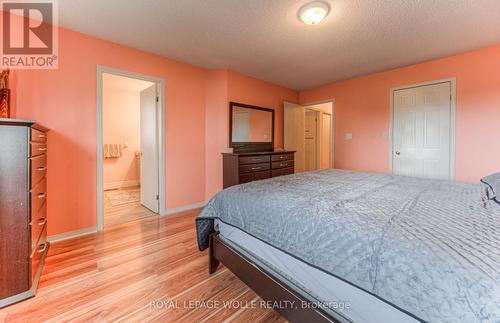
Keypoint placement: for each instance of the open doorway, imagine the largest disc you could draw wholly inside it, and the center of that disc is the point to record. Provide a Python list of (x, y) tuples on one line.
[(129, 137), (308, 129)]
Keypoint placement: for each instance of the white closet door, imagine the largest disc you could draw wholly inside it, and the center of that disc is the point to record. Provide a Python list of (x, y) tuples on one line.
[(421, 131), (149, 150)]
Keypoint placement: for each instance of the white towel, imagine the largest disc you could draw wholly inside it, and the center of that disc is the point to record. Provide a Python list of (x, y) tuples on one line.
[(112, 150)]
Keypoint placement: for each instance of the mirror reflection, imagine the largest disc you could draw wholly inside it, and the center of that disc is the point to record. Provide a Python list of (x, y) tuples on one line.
[(251, 125)]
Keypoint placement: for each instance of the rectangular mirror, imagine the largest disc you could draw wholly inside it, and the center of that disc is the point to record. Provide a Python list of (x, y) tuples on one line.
[(251, 128)]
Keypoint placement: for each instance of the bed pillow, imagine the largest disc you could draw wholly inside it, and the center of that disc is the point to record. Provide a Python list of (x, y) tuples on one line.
[(493, 182)]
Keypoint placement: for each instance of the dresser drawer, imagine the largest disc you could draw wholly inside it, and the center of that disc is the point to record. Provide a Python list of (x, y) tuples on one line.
[(282, 157), (38, 148), (282, 164), (249, 177), (254, 159), (38, 136), (254, 167), (38, 221), (38, 195), (38, 169), (282, 171), (38, 252)]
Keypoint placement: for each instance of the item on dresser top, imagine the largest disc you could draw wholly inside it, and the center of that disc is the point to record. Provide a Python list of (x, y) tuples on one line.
[(23, 210)]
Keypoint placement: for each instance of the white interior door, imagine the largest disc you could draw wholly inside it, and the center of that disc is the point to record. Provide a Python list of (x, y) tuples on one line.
[(421, 131), (311, 138), (149, 150), (326, 141), (294, 129)]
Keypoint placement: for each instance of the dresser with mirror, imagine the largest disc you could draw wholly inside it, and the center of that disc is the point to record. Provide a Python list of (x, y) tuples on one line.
[(251, 138)]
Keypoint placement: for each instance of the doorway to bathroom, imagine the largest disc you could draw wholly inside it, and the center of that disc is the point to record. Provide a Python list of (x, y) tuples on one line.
[(130, 157)]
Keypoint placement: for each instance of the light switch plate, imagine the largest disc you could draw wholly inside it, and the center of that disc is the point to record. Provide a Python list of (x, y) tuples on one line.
[(348, 136)]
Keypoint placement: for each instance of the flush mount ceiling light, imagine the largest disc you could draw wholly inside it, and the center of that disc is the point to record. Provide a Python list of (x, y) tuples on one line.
[(313, 12)]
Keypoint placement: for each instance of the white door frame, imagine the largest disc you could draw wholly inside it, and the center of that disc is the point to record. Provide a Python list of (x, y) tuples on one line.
[(160, 83), (333, 116), (453, 111)]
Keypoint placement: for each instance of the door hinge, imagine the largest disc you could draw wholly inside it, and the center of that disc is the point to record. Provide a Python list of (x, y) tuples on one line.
[(157, 99), (157, 197)]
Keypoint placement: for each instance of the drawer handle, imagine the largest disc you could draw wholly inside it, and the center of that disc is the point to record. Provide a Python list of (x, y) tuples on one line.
[(282, 157), (42, 136), (42, 169), (41, 195), (281, 165), (42, 149), (256, 159), (256, 168), (42, 221), (42, 248)]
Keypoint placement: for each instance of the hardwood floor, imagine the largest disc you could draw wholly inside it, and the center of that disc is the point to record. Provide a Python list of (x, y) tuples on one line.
[(146, 270), (118, 210)]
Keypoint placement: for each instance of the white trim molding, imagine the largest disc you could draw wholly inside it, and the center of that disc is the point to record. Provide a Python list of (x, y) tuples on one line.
[(71, 234), (121, 184), (453, 113), (161, 142), (185, 208)]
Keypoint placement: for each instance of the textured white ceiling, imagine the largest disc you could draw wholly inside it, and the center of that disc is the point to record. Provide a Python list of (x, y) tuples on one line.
[(264, 38)]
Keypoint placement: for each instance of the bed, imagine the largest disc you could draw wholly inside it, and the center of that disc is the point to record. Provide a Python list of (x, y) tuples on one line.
[(361, 247)]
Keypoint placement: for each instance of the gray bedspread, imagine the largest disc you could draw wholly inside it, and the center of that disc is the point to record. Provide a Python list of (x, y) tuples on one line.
[(431, 248)]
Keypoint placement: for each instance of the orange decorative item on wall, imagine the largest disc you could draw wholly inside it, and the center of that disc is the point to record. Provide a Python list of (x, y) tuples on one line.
[(4, 95)]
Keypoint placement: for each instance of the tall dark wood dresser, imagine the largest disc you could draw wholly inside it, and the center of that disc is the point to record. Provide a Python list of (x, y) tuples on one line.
[(23, 208)]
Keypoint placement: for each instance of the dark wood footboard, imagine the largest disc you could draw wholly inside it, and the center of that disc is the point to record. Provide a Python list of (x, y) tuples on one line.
[(264, 284)]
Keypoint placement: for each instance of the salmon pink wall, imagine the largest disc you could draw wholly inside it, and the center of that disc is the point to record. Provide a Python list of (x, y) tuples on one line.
[(64, 100), (222, 88), (362, 108), (216, 127)]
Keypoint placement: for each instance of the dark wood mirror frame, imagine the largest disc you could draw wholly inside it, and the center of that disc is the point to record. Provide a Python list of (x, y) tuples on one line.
[(244, 147)]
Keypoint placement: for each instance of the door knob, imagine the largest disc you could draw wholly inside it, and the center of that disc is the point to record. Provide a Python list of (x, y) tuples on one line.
[(398, 152)]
